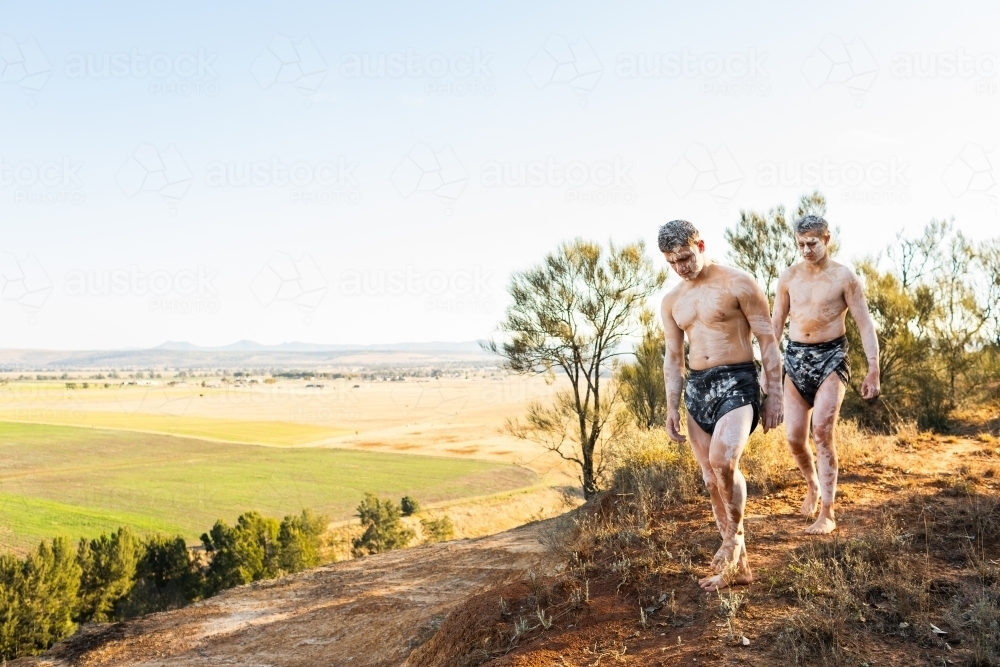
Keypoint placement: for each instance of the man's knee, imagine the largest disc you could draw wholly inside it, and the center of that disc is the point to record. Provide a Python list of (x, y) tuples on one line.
[(823, 431), (796, 437), (722, 465), (708, 474)]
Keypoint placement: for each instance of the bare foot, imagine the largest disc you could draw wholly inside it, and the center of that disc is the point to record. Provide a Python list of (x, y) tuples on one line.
[(719, 561), (825, 524), (733, 569), (811, 503), (738, 576)]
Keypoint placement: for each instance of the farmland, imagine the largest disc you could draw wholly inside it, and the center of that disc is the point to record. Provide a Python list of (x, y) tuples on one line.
[(72, 481)]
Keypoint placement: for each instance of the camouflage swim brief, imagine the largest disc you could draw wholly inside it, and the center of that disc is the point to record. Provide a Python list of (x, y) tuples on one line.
[(712, 392), (808, 364)]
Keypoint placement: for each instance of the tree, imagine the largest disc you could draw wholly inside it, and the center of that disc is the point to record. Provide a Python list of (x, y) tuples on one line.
[(641, 382), (244, 553), (934, 311), (763, 245), (571, 313), (38, 596), (299, 541), (167, 577), (108, 565), (384, 531), (960, 314), (904, 353)]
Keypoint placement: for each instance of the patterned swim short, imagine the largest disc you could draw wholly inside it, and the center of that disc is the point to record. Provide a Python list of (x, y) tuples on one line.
[(712, 392), (808, 364)]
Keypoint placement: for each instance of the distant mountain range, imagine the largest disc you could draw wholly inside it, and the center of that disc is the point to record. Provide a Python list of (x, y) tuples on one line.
[(249, 354), (251, 346)]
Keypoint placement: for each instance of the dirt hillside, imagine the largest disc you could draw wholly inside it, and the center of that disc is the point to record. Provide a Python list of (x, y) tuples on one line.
[(911, 577), (362, 613)]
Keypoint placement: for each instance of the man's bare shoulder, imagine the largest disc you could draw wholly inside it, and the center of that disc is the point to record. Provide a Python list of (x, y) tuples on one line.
[(844, 273), (671, 296), (738, 280), (725, 272), (790, 273)]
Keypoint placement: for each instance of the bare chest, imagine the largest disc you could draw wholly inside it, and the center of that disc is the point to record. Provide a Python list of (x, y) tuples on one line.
[(815, 295), (706, 306)]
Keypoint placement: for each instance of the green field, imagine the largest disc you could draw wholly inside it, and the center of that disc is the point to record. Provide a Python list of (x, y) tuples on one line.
[(232, 430), (70, 481)]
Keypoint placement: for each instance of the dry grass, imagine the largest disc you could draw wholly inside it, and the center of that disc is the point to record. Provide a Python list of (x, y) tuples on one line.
[(470, 518), (913, 586), (768, 465), (653, 468), (911, 578)]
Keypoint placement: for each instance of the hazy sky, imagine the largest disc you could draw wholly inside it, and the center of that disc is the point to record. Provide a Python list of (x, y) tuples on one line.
[(373, 172)]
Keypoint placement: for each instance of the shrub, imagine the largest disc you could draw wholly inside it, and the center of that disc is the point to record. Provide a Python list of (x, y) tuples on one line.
[(437, 530), (384, 531), (409, 506), (647, 464), (767, 461)]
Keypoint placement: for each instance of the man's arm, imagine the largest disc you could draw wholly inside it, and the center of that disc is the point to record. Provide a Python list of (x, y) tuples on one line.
[(673, 369), (781, 308), (857, 304), (753, 302)]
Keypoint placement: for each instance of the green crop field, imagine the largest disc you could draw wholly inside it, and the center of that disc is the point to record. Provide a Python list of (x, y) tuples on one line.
[(232, 430), (70, 481)]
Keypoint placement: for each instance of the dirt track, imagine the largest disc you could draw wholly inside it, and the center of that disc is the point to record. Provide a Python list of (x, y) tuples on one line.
[(360, 613)]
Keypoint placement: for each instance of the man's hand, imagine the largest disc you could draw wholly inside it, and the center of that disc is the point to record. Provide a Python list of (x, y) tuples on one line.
[(773, 412), (872, 386), (674, 426)]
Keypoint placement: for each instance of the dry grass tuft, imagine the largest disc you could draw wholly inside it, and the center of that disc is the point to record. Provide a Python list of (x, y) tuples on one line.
[(767, 462), (653, 469), (865, 584)]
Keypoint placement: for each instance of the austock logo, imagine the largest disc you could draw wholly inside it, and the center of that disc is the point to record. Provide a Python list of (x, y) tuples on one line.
[(148, 170), (835, 62), (286, 279), (183, 74), (975, 170), (714, 172), (560, 62), (23, 64), (49, 182), (427, 170), (323, 182), (182, 292), (24, 281), (283, 61), (597, 182)]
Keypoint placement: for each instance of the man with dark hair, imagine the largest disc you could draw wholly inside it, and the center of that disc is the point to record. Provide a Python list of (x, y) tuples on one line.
[(718, 308), (816, 295)]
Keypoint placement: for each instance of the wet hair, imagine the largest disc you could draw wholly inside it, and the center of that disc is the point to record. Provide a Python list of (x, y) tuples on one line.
[(677, 234), (811, 224)]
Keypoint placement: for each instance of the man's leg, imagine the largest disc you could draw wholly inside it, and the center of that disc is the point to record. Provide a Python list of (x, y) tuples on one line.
[(701, 443), (829, 396), (730, 438), (797, 432)]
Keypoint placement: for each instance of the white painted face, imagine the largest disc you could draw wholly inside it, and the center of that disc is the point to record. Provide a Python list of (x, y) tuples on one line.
[(813, 246), (687, 262)]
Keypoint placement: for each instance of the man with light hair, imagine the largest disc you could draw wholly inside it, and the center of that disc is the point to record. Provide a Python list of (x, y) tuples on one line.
[(718, 308), (815, 295)]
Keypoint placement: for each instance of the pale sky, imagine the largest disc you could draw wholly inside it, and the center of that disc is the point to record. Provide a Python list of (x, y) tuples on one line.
[(373, 172)]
